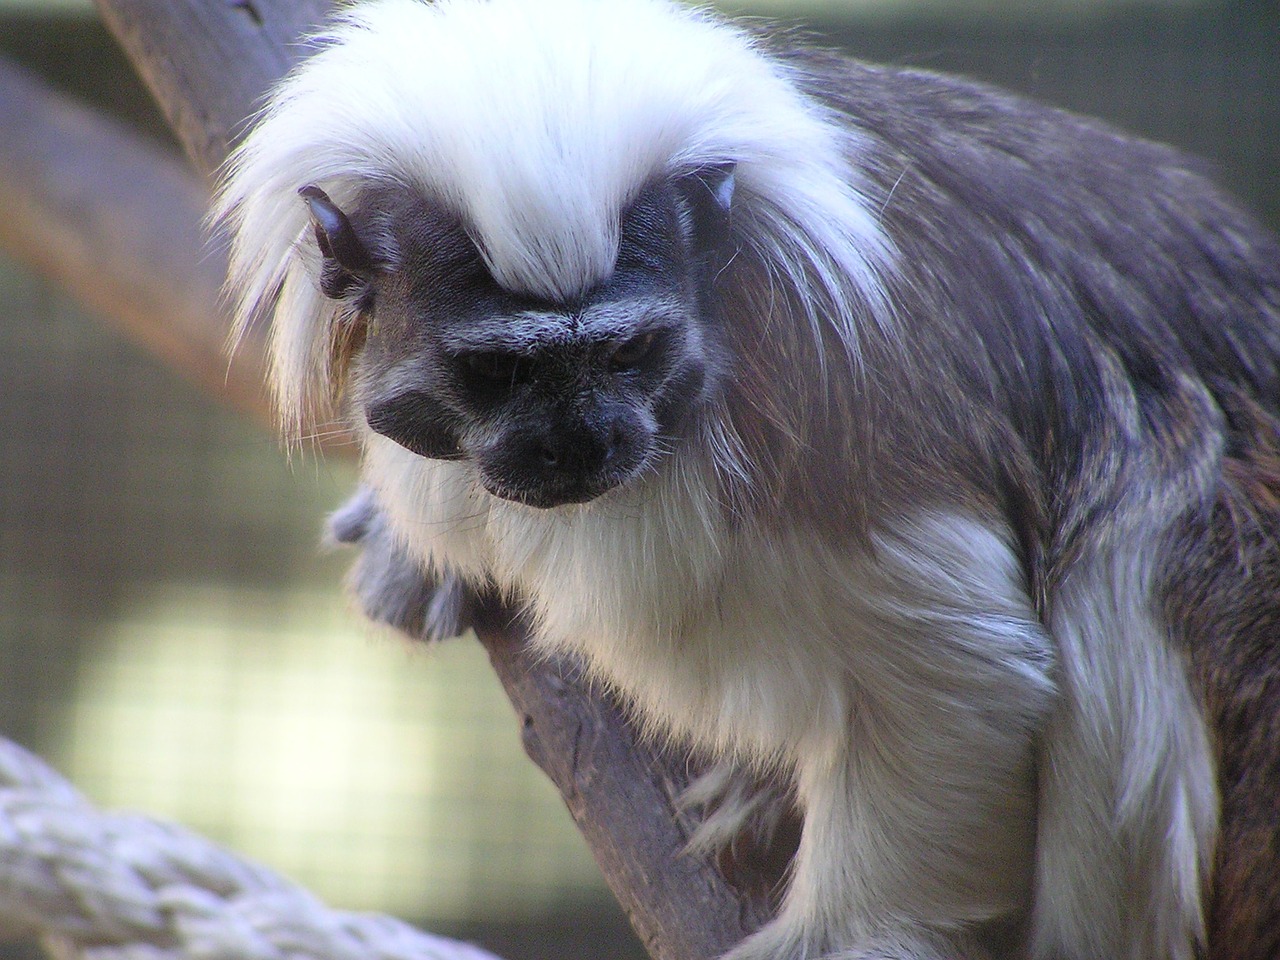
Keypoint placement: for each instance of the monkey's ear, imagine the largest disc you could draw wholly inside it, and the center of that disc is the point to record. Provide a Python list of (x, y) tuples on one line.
[(718, 179), (709, 192), (346, 261)]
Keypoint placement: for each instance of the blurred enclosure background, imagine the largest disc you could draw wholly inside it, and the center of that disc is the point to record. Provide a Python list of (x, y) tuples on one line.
[(173, 638)]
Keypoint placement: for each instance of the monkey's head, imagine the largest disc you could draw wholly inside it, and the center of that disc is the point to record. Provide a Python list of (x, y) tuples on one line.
[(553, 400), (516, 232)]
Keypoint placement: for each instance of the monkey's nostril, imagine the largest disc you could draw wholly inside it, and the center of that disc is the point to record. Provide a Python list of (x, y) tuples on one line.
[(614, 442)]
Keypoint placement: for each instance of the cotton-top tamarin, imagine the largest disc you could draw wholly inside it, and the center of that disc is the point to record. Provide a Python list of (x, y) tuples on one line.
[(871, 430)]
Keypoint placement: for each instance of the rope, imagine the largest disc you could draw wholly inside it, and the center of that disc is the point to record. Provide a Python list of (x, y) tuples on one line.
[(107, 887)]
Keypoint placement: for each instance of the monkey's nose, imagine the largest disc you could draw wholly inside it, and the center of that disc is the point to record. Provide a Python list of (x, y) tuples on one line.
[(583, 449)]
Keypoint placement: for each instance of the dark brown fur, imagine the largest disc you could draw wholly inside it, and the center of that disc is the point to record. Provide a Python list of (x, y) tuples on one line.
[(1224, 604)]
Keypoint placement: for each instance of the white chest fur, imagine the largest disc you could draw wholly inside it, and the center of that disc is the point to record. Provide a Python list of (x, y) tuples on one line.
[(900, 688), (756, 648)]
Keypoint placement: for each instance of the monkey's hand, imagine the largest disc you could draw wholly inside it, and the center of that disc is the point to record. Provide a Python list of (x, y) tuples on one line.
[(389, 585)]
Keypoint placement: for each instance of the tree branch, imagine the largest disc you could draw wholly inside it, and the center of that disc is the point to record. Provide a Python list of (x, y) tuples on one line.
[(208, 63), (116, 221)]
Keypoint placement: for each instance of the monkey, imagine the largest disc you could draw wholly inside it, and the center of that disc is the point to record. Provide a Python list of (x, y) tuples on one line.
[(875, 432)]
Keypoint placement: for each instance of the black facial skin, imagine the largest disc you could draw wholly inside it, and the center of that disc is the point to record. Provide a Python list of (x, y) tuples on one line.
[(554, 403)]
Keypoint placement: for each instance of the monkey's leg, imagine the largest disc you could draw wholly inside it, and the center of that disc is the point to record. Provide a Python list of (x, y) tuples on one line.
[(390, 585), (919, 796), (862, 889)]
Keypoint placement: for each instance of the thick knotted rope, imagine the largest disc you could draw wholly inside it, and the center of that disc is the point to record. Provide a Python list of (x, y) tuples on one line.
[(96, 886)]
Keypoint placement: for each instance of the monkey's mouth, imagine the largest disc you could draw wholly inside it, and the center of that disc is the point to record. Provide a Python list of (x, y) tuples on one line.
[(529, 473), (548, 496)]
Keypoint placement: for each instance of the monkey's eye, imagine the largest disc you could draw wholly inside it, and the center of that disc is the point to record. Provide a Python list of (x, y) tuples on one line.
[(495, 365), (630, 353)]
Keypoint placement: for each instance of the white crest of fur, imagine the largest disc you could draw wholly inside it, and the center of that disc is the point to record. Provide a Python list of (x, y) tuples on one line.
[(537, 121)]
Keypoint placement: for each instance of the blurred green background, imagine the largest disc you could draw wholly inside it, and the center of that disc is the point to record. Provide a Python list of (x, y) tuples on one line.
[(173, 638)]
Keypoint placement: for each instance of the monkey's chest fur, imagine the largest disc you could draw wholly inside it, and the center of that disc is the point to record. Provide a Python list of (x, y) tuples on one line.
[(886, 669)]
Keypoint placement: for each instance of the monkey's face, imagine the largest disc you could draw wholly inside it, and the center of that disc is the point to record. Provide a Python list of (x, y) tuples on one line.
[(552, 402)]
